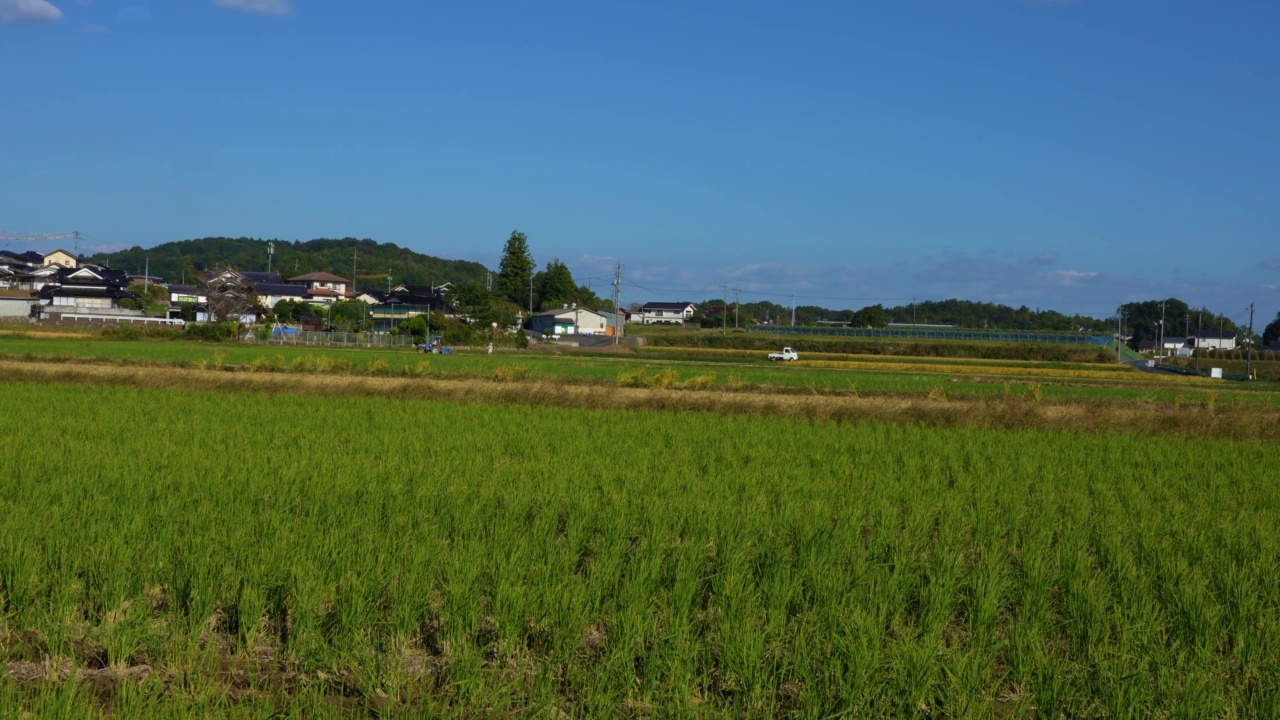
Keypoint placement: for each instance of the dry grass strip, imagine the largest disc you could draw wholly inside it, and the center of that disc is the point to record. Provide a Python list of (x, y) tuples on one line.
[(1243, 421)]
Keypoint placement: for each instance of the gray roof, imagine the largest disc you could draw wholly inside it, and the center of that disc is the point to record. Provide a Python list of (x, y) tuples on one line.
[(565, 311)]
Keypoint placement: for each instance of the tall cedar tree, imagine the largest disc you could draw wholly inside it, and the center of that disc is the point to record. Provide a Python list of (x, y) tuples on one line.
[(515, 270)]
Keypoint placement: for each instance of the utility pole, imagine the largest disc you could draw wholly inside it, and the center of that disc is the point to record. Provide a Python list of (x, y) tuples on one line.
[(724, 315), (913, 309), (271, 251), (531, 295), (1248, 358), (737, 301), (353, 270), (488, 280), (793, 310), (1119, 331), (1199, 337), (146, 276), (1161, 347), (617, 300), (388, 281)]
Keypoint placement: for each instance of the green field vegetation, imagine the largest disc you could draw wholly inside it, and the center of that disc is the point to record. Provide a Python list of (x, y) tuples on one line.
[(219, 553), (700, 368), (694, 338)]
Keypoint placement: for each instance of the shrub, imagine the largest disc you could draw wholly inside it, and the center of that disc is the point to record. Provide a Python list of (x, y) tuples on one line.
[(700, 382), (637, 378), (664, 379), (510, 373), (212, 332)]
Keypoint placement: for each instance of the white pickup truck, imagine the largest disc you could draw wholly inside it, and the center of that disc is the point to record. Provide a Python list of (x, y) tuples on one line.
[(786, 354)]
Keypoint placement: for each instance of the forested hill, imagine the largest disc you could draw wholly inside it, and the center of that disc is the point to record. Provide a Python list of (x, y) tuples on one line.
[(186, 258)]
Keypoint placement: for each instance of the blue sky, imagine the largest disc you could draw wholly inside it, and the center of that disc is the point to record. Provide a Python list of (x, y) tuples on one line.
[(1068, 154)]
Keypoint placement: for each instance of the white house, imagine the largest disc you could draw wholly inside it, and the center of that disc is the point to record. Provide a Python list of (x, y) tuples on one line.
[(569, 321), (1213, 340), (323, 285), (664, 313), (270, 294)]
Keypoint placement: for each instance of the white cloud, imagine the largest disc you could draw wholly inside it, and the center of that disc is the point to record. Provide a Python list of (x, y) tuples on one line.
[(261, 7), (29, 11)]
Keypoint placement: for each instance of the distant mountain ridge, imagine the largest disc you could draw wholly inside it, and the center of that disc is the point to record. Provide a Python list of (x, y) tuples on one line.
[(184, 259)]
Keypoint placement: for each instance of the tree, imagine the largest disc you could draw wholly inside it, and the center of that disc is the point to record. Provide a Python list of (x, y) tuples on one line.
[(1272, 332), (555, 286), (150, 297), (870, 316), (516, 269), (348, 315), (229, 297)]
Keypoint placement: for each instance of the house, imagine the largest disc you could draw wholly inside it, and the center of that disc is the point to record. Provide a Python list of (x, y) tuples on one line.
[(664, 313), (407, 300), (187, 294), (371, 297), (569, 321), (271, 293), (85, 289), (61, 258), (1213, 340), (323, 285), (614, 322), (25, 271)]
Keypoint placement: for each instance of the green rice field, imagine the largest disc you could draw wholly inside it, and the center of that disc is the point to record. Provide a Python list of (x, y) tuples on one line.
[(187, 553), (718, 369)]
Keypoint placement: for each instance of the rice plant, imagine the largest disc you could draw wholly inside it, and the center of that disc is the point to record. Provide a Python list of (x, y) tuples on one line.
[(169, 553)]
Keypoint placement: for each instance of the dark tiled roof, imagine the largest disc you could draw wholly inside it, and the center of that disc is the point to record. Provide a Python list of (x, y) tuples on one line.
[(29, 257), (271, 278), (280, 289)]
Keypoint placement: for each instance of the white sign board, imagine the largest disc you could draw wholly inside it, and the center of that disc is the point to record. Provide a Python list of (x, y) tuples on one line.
[(1215, 373)]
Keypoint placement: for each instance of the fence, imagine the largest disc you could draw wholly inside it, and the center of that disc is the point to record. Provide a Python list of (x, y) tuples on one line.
[(342, 339), (921, 333)]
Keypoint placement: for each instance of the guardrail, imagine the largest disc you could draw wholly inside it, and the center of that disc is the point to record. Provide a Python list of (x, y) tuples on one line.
[(940, 334), (132, 319)]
